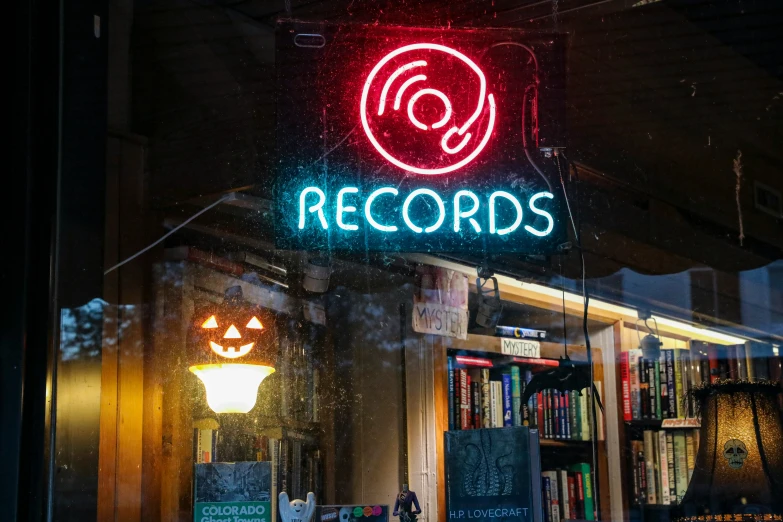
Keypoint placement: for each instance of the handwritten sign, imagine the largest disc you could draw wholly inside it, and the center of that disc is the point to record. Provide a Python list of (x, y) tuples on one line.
[(520, 348), (438, 319)]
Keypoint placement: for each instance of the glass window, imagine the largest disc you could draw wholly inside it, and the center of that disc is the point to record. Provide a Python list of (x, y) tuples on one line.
[(428, 260)]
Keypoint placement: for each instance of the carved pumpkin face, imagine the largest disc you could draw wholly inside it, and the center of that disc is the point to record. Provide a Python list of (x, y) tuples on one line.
[(233, 348), (233, 332), (233, 344)]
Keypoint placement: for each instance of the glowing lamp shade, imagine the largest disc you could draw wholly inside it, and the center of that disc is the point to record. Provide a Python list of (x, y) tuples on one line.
[(738, 474), (232, 349), (231, 388)]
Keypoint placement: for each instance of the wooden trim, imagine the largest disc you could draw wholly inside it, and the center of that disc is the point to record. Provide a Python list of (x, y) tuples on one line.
[(441, 390)]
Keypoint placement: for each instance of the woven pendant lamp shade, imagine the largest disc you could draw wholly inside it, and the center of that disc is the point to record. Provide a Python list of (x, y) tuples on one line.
[(738, 474)]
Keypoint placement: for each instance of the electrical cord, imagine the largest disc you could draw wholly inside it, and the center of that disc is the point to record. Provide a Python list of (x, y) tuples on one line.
[(586, 301), (167, 234)]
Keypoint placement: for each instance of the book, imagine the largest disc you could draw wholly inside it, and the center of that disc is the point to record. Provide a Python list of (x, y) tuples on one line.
[(650, 467), (494, 399), (663, 390), (573, 422), (486, 403), (565, 502), (516, 397), (512, 486), (653, 387), (539, 404), (659, 394), (633, 378), (554, 495), (671, 410), (686, 398), (691, 449), (463, 400), (572, 509), (452, 425), (644, 388), (507, 404), (547, 494), (584, 407), (205, 445), (663, 466), (580, 494), (589, 505), (656, 467), (526, 408), (678, 389), (625, 379), (476, 403), (670, 466), (680, 464)]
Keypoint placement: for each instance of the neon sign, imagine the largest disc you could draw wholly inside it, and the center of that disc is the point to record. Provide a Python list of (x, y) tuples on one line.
[(470, 144), (412, 140)]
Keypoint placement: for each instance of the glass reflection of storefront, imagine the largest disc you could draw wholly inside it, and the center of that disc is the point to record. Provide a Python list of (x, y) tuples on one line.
[(481, 271)]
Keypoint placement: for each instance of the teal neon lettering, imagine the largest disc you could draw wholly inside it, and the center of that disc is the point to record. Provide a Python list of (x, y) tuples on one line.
[(318, 207), (441, 210), (368, 212), (517, 206), (344, 209), (459, 214), (540, 212)]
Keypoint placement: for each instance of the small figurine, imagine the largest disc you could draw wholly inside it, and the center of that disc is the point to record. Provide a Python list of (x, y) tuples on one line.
[(296, 510), (402, 506)]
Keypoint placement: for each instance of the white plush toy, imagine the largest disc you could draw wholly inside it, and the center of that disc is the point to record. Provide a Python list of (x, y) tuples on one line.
[(296, 510)]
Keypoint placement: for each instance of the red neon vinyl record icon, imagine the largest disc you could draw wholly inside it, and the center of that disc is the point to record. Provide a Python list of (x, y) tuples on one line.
[(426, 108)]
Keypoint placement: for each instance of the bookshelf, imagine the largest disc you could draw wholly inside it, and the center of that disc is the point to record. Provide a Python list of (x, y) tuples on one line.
[(661, 443), (555, 453)]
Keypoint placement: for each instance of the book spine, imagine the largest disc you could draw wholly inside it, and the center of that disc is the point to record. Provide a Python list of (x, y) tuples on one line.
[(476, 404), (633, 377), (664, 388), (671, 390), (670, 466), (584, 406), (486, 403), (680, 464), (493, 402), (633, 462), (451, 393), (650, 364), (540, 422), (663, 466), (642, 477), (463, 400), (555, 413), (516, 397), (589, 509), (555, 493), (575, 433), (572, 496), (686, 398), (580, 494), (507, 402), (649, 467), (567, 413), (626, 386), (274, 455), (691, 448), (678, 391), (565, 501), (547, 489), (550, 424), (644, 386), (658, 392), (526, 408)]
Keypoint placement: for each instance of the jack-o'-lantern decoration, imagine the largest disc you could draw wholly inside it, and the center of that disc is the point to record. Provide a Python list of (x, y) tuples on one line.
[(233, 347)]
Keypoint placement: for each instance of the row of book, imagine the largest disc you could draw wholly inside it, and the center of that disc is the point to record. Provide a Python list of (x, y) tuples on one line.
[(662, 465), (659, 388), (490, 397), (567, 494)]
